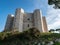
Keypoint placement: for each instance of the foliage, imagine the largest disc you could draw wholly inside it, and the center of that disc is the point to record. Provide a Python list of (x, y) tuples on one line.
[(56, 43), (55, 2), (51, 30), (30, 37)]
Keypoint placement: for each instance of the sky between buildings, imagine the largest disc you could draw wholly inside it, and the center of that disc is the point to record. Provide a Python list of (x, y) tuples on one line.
[(8, 7)]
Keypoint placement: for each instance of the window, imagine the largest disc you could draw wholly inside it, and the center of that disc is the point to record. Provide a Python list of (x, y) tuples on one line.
[(28, 19), (28, 25)]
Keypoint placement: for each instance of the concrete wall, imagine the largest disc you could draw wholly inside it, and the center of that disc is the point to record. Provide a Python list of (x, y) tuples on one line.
[(45, 24), (18, 20), (27, 21), (38, 20), (9, 23)]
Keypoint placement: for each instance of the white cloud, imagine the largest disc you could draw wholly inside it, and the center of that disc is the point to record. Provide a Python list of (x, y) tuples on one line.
[(53, 17)]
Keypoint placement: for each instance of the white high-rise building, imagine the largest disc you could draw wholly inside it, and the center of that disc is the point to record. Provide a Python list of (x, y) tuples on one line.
[(23, 21)]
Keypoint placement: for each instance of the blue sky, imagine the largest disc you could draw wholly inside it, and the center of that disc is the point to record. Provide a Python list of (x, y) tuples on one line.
[(9, 6)]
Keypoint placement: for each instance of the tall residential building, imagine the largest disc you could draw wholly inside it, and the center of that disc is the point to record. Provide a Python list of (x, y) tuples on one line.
[(23, 21)]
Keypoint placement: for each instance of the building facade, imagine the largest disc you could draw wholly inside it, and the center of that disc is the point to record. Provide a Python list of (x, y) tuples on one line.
[(9, 23), (23, 21)]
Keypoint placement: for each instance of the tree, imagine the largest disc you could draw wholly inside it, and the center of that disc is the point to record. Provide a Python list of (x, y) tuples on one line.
[(58, 30), (55, 2), (56, 43), (51, 30)]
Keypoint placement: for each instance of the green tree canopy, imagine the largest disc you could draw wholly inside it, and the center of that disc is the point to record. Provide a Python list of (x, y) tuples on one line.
[(55, 2)]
